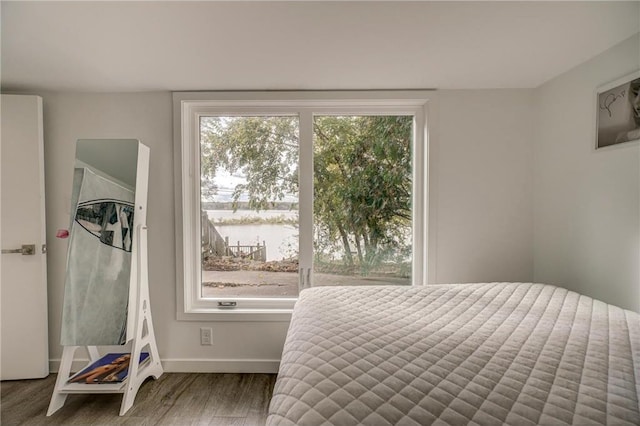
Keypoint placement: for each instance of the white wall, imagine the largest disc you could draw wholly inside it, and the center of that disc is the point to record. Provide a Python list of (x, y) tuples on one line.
[(481, 190), (586, 202), (483, 197)]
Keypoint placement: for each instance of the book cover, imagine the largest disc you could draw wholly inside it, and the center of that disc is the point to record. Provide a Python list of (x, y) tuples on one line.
[(111, 368)]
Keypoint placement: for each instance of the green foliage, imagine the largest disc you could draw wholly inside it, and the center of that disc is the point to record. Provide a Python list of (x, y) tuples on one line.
[(362, 185), (264, 149), (362, 177)]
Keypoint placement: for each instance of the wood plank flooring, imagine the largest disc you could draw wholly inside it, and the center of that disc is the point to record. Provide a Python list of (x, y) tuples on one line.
[(176, 399)]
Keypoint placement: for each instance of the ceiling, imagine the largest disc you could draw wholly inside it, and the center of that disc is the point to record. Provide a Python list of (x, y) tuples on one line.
[(141, 46)]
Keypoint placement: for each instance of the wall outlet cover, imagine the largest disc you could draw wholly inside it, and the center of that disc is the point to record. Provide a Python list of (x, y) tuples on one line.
[(206, 336)]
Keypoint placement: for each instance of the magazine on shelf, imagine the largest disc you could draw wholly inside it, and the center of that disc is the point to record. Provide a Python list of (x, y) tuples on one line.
[(111, 368)]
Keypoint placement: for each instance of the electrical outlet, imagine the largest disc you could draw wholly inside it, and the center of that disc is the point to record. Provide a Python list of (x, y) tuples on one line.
[(206, 336)]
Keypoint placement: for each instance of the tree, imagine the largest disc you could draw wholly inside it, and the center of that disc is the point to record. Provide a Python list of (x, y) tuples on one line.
[(362, 184), (263, 149), (362, 176)]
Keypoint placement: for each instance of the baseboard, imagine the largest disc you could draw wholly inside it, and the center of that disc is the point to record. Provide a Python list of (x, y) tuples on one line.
[(182, 365), (221, 365)]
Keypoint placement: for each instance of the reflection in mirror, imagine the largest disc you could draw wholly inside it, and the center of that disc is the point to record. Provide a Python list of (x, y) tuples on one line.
[(100, 244), (117, 159)]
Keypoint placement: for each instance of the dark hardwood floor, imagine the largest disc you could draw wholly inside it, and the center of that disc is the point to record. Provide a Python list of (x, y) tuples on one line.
[(178, 399)]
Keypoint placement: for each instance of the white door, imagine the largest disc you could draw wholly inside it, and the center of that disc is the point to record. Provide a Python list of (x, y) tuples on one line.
[(23, 289)]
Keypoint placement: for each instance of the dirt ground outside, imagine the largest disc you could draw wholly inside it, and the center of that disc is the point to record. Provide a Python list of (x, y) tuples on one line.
[(278, 284)]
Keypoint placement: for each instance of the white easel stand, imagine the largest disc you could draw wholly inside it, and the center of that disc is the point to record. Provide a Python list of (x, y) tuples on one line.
[(143, 338)]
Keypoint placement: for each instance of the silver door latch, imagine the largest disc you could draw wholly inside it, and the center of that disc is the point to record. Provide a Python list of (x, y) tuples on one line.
[(25, 250)]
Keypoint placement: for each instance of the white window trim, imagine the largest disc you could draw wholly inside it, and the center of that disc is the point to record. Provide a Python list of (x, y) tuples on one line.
[(188, 107)]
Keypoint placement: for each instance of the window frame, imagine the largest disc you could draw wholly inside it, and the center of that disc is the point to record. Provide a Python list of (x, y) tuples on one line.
[(189, 107)]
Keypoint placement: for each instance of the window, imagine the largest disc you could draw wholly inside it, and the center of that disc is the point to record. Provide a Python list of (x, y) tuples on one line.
[(362, 199), (249, 203), (281, 191)]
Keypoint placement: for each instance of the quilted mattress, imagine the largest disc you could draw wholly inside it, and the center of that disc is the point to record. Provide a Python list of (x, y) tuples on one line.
[(483, 354)]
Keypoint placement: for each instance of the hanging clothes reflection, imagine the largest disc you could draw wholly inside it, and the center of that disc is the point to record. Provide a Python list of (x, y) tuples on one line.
[(98, 262)]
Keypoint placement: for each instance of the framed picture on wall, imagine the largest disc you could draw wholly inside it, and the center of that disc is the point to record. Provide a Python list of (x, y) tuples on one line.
[(618, 111)]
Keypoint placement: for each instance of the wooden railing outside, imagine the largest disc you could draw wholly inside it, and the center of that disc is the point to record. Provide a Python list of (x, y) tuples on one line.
[(213, 244), (257, 252)]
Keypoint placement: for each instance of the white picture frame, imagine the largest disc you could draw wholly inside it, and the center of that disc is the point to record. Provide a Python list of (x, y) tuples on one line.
[(617, 106)]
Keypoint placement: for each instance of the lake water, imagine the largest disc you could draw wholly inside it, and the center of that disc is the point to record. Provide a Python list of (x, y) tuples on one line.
[(281, 239)]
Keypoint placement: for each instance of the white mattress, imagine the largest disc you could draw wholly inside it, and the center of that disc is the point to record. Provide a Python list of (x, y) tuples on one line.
[(457, 354)]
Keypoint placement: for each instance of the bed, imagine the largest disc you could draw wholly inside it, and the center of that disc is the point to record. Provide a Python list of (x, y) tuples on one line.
[(496, 353)]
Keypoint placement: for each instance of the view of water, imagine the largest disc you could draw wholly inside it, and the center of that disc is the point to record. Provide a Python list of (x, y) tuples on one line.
[(281, 239)]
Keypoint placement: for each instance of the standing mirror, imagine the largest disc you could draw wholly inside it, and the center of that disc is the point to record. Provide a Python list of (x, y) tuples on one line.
[(101, 242), (106, 296)]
